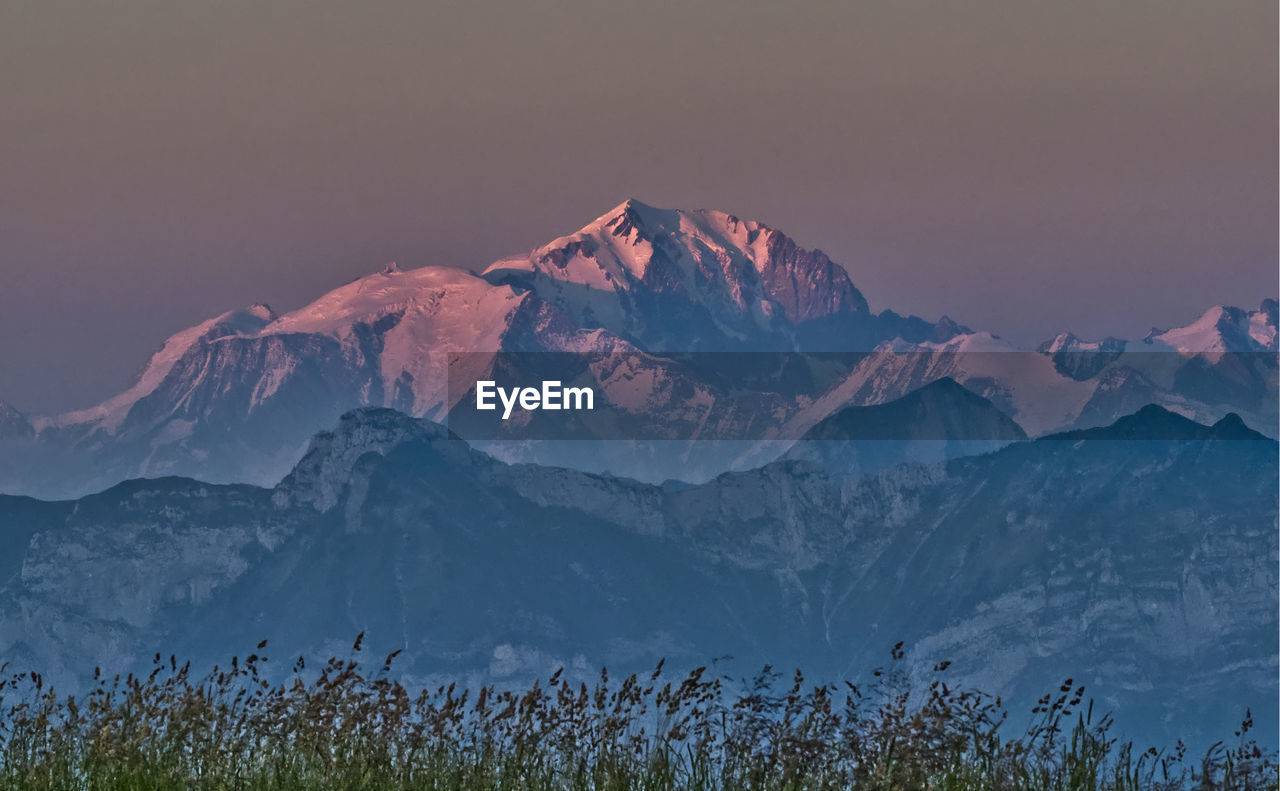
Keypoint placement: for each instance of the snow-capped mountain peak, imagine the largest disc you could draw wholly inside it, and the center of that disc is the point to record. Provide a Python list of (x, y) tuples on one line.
[(391, 291), (1069, 342), (711, 275), (662, 279), (237, 397), (1223, 328), (111, 413)]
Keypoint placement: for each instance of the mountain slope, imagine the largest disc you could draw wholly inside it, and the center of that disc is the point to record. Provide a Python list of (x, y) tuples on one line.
[(942, 409), (1223, 328), (941, 420), (1144, 569), (236, 398), (14, 424), (704, 280), (1153, 422)]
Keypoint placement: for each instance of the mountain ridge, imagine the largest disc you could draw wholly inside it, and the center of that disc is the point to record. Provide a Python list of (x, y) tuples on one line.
[(942, 409), (483, 570), (237, 397), (1154, 422)]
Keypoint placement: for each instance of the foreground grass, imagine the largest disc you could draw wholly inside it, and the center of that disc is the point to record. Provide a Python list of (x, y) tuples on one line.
[(345, 728)]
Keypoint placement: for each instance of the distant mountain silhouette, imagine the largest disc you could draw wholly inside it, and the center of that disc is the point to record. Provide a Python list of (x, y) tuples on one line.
[(1143, 568), (942, 409), (1154, 422)]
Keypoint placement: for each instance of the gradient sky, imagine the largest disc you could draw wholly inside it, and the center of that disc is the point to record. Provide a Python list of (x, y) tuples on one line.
[(1022, 166)]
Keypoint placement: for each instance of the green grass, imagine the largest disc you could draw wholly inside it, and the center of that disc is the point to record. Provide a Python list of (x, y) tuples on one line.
[(346, 728)]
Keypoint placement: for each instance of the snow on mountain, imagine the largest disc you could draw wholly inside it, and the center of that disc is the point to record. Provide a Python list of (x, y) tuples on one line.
[(1067, 341), (1223, 361), (702, 253), (669, 278), (111, 413), (1215, 365), (1223, 328), (420, 317), (702, 278), (236, 397), (1081, 359), (1020, 383), (1262, 325)]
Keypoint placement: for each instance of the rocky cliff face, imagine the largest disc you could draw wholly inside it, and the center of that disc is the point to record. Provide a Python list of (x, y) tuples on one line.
[(1145, 569)]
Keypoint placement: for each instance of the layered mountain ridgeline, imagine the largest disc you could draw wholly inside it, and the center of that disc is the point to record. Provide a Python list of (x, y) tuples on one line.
[(236, 398), (1154, 423), (942, 409), (941, 420), (1221, 329), (1146, 570)]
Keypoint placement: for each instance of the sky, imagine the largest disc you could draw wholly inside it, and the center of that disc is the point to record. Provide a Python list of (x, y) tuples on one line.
[(1023, 167)]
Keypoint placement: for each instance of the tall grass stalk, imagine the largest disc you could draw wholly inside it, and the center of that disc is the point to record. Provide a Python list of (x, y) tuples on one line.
[(342, 727)]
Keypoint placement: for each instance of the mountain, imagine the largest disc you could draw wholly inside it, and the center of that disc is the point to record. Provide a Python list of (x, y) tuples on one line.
[(942, 409), (14, 424), (1079, 359), (236, 397), (1223, 362), (1143, 569), (1153, 422), (17, 436), (941, 420), (1069, 382), (673, 315), (1223, 329), (668, 279), (704, 281)]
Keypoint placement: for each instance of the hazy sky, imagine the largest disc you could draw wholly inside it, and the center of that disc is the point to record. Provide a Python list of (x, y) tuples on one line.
[(1021, 166)]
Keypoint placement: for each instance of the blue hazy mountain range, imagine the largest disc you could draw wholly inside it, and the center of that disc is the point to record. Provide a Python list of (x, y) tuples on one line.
[(1138, 559), (797, 480)]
